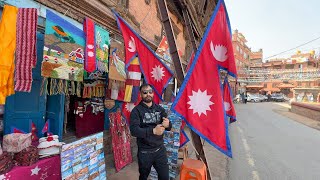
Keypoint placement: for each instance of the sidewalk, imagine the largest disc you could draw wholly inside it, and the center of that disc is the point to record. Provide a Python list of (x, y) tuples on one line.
[(285, 111)]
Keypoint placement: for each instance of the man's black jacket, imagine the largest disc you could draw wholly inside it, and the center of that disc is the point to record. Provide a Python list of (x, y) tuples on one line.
[(142, 121)]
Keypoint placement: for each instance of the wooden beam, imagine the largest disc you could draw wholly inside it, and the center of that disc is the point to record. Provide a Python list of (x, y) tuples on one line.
[(178, 68)]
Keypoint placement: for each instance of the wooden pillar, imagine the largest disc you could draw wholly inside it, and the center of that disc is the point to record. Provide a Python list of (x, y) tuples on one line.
[(178, 68)]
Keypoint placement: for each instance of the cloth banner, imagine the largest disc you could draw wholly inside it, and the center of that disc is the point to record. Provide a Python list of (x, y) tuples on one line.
[(63, 56), (102, 48), (90, 60)]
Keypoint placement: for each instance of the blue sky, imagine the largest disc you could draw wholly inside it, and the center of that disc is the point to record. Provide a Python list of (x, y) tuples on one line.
[(276, 25)]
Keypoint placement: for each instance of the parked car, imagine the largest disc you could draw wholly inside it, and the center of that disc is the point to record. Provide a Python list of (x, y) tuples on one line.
[(262, 97), (237, 99), (253, 98), (277, 97)]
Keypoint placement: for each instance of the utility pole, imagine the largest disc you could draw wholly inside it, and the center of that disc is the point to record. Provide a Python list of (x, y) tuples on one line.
[(177, 65)]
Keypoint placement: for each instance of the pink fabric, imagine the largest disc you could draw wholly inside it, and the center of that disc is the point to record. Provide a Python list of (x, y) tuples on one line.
[(26, 55), (48, 169)]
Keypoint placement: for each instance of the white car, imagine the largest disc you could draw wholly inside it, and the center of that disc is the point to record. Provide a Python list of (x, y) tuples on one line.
[(253, 98)]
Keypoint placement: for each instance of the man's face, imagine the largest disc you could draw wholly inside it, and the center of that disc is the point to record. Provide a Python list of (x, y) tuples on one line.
[(147, 94)]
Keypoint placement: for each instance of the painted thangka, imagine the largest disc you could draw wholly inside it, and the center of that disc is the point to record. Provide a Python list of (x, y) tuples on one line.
[(172, 144), (117, 73), (63, 50), (102, 48), (84, 159)]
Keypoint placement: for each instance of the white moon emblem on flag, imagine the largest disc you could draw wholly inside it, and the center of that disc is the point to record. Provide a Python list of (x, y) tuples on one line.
[(200, 102), (219, 52), (132, 45), (157, 73), (227, 106)]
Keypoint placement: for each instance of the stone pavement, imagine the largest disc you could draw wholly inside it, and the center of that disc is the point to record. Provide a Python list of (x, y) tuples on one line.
[(217, 163)]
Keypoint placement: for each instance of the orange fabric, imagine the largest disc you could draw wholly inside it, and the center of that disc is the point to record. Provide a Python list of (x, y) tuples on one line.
[(7, 49), (193, 169)]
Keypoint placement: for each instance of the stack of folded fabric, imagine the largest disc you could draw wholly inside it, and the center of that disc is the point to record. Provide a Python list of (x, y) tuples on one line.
[(49, 146)]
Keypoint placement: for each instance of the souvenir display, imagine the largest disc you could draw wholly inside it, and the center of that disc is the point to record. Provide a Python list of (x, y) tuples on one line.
[(84, 159), (120, 140), (94, 89)]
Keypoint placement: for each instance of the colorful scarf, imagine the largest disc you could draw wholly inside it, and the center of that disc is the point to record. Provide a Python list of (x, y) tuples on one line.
[(26, 56), (7, 48), (90, 61), (102, 48)]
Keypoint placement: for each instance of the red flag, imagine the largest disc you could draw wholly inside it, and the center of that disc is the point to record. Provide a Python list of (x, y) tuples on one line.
[(228, 103), (183, 135), (46, 127), (199, 101), (219, 38), (154, 70)]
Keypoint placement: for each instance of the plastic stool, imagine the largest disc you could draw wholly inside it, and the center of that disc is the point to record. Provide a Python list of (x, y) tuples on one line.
[(193, 169)]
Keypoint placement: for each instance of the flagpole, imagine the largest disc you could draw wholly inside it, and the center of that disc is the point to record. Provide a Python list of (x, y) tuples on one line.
[(179, 73)]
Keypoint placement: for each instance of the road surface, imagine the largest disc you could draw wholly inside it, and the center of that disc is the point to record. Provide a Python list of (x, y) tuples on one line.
[(269, 146)]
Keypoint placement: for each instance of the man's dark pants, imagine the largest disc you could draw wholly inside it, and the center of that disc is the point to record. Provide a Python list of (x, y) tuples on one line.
[(159, 161)]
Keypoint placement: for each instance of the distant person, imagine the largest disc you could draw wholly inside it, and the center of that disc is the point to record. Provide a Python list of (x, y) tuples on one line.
[(269, 97), (245, 98), (242, 97)]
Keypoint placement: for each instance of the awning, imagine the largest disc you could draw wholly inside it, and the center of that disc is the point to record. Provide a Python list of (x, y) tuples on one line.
[(254, 86), (286, 86)]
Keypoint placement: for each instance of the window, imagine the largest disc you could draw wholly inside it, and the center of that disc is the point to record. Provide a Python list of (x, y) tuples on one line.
[(299, 84), (238, 48), (265, 85), (289, 66), (274, 85), (241, 51)]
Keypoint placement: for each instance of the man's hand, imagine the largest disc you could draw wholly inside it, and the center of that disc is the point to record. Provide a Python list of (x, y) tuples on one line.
[(158, 130), (165, 122)]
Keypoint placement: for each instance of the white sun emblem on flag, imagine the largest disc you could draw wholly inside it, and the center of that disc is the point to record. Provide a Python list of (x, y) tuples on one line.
[(130, 106), (157, 73), (200, 102)]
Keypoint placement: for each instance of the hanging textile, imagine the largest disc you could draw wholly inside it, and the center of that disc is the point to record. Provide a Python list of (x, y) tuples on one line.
[(89, 30), (102, 48), (7, 48), (120, 140), (130, 91), (94, 89), (26, 55), (62, 54)]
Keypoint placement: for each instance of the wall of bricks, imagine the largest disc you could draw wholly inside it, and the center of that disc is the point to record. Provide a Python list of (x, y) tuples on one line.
[(312, 114)]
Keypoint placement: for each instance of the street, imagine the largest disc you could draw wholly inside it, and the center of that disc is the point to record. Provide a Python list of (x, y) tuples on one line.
[(267, 145)]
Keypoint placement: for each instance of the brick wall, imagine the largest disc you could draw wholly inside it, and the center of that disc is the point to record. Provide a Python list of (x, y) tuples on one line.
[(305, 111)]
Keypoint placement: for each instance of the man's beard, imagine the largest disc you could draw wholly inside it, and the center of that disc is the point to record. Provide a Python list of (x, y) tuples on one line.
[(147, 99)]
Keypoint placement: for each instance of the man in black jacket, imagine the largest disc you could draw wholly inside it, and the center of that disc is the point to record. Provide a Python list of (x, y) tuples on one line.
[(148, 122)]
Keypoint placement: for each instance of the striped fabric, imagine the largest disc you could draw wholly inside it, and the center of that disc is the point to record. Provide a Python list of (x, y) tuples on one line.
[(131, 87), (26, 56)]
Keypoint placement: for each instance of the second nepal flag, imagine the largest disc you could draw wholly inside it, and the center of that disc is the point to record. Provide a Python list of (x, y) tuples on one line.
[(154, 70), (200, 99), (228, 103)]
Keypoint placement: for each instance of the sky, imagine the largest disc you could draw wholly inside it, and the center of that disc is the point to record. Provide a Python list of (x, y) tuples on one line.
[(276, 25)]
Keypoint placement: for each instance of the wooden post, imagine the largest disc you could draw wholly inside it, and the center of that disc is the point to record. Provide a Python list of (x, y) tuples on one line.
[(178, 68)]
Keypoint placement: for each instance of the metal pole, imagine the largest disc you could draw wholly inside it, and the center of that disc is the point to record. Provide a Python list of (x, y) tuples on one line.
[(178, 69)]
